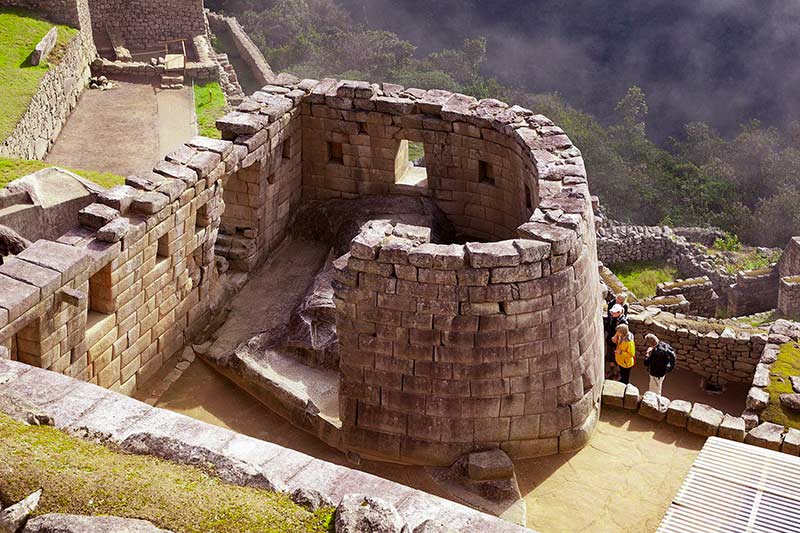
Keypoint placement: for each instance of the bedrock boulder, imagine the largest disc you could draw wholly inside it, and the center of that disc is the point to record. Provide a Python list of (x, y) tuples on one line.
[(64, 523), (12, 518), (358, 513)]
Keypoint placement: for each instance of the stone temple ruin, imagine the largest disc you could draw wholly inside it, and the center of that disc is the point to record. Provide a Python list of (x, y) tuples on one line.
[(459, 309)]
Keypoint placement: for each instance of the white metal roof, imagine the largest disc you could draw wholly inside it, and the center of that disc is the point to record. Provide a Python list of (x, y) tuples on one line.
[(737, 488)]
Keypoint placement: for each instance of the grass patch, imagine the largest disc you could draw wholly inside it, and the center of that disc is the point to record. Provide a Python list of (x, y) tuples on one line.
[(416, 151), (209, 103), (83, 478), (642, 277), (11, 169), (20, 31), (788, 364)]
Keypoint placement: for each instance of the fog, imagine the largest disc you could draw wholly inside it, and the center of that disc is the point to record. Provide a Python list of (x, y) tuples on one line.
[(720, 61)]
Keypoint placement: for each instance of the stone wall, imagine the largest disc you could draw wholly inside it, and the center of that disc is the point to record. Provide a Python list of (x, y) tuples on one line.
[(52, 103), (754, 291), (719, 353), (248, 51), (449, 348), (698, 291), (704, 236), (622, 244), (59, 11), (789, 297), (144, 24), (261, 198), (109, 301), (789, 265)]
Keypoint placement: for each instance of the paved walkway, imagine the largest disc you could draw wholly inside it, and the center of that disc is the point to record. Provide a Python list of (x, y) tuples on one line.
[(124, 130)]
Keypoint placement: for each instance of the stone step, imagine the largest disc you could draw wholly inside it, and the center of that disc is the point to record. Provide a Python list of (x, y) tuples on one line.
[(172, 86), (171, 80)]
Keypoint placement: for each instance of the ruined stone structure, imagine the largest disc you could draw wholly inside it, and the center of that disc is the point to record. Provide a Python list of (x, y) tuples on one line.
[(699, 292), (444, 348)]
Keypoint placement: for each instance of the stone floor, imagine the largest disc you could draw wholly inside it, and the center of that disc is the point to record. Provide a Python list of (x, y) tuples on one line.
[(622, 482), (126, 129)]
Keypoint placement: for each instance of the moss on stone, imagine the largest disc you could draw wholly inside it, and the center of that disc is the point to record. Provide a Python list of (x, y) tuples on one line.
[(11, 169), (20, 32), (79, 477), (787, 365)]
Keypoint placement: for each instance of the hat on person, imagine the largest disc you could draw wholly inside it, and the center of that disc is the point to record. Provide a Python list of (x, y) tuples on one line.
[(617, 309)]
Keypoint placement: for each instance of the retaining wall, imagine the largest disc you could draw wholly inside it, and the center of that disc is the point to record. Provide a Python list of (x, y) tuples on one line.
[(698, 291), (248, 51), (57, 94), (789, 297)]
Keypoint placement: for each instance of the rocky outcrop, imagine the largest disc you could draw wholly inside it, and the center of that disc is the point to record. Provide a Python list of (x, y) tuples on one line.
[(64, 523), (358, 513), (13, 517)]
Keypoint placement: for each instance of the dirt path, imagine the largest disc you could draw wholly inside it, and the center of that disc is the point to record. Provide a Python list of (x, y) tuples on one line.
[(124, 130)]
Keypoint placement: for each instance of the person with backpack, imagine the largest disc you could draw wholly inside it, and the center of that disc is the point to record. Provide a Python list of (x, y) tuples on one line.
[(625, 352), (659, 360)]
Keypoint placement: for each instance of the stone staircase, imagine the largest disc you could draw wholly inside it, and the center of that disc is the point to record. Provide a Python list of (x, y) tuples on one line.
[(172, 81)]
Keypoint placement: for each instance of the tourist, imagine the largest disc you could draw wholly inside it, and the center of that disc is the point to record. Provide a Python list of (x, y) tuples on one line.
[(659, 360), (625, 353), (622, 299)]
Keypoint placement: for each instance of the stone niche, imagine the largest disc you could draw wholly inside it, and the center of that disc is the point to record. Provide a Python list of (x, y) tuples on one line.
[(451, 348)]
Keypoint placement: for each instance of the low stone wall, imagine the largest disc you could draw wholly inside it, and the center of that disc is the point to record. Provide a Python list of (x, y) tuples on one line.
[(52, 104), (58, 11), (728, 356), (704, 236), (789, 297), (248, 51), (698, 291), (789, 264), (754, 291), (622, 244)]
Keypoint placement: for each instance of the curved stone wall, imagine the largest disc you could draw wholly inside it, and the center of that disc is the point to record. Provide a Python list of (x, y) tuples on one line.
[(449, 348)]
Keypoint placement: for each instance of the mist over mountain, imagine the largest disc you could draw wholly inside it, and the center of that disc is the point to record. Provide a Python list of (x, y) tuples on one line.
[(723, 62)]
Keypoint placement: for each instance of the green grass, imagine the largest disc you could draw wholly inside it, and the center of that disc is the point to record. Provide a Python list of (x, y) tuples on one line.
[(642, 277), (83, 478), (209, 102), (11, 169), (788, 364), (416, 151), (20, 31)]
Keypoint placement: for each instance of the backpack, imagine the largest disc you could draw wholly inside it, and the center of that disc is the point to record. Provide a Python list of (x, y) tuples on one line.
[(670, 353)]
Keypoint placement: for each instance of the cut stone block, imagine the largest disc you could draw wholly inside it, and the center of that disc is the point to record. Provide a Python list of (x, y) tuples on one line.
[(114, 231), (63, 258), (613, 393), (678, 413), (733, 428), (766, 435), (654, 407), (632, 397), (704, 420), (791, 402), (494, 464), (757, 399), (791, 442)]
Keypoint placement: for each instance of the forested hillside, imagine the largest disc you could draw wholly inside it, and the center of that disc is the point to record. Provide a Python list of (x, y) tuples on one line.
[(717, 65)]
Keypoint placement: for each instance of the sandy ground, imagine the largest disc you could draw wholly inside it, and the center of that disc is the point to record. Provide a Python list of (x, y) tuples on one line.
[(124, 130), (622, 482)]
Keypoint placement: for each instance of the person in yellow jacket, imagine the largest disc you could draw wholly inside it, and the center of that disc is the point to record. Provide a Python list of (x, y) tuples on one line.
[(625, 353)]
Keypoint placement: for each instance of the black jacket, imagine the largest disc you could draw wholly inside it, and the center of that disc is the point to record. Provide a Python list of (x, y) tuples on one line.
[(661, 360)]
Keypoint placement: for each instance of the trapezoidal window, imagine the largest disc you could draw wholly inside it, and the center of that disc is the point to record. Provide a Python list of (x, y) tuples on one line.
[(486, 173), (335, 153), (409, 165), (286, 148)]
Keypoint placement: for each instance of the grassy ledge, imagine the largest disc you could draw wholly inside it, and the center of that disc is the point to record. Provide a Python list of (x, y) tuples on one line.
[(642, 277), (20, 31), (84, 478), (787, 365), (209, 102), (11, 169)]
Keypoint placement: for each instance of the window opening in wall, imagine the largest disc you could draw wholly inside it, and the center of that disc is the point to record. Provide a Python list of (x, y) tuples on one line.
[(528, 199), (486, 173), (286, 149), (409, 166), (163, 252), (335, 153)]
